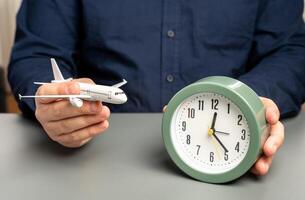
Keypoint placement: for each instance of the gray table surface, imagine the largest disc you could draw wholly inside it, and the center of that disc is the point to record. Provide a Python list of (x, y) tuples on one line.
[(129, 161)]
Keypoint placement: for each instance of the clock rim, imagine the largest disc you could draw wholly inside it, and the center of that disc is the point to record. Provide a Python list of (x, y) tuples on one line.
[(239, 95)]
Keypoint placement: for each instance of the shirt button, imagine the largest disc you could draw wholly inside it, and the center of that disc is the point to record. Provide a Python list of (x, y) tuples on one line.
[(171, 33), (170, 78)]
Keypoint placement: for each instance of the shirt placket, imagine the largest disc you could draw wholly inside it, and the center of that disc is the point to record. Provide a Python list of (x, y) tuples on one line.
[(170, 42)]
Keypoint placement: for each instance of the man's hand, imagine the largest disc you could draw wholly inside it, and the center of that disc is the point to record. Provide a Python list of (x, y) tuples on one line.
[(273, 142), (65, 124)]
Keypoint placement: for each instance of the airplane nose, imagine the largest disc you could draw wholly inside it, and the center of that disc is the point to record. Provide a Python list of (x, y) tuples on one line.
[(124, 99)]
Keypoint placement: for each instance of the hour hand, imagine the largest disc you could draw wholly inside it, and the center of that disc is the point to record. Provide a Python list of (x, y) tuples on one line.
[(213, 121), (211, 130)]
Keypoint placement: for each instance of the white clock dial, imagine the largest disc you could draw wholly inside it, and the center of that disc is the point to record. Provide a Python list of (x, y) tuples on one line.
[(206, 148)]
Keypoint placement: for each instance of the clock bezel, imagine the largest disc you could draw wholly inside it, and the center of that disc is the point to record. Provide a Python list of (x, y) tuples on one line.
[(241, 95)]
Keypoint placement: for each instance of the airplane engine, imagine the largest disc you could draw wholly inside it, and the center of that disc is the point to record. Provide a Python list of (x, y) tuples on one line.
[(76, 102)]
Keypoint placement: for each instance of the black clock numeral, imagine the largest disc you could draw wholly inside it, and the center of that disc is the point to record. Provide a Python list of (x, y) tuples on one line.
[(200, 105), (240, 117), (188, 139), (215, 104), (226, 156), (191, 113), (229, 108), (211, 156), (243, 136), (198, 148), (237, 147), (184, 126)]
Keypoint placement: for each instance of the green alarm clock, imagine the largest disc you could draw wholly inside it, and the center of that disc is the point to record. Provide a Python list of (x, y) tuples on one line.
[(214, 129)]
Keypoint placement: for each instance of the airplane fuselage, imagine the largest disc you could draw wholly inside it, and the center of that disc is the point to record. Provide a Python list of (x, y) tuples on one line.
[(103, 93)]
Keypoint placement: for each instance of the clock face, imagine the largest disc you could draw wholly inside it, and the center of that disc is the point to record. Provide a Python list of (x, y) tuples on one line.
[(210, 133)]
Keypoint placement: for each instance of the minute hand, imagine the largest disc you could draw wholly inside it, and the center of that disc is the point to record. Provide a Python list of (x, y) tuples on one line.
[(218, 140)]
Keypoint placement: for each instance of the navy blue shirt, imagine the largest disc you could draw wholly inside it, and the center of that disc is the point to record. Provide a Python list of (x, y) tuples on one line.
[(160, 46)]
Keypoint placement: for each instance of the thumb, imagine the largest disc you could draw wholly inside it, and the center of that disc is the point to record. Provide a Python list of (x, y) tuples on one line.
[(272, 111), (65, 88)]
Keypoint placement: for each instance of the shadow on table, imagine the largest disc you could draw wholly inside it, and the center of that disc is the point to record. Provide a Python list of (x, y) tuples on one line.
[(40, 143), (167, 165)]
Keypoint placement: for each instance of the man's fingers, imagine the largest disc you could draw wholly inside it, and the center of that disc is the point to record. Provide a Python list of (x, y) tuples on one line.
[(64, 88), (83, 134), (164, 108), (262, 165), (272, 111), (272, 115), (275, 140), (68, 125), (75, 123), (63, 109)]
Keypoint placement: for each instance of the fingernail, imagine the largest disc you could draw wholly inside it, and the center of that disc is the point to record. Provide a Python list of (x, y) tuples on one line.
[(266, 166), (272, 114), (273, 148), (270, 148)]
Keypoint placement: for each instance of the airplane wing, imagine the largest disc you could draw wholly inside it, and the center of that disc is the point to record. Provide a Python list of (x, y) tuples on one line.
[(56, 96), (43, 83), (40, 83), (120, 84)]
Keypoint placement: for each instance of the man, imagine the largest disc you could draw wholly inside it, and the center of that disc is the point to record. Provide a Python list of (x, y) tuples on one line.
[(159, 46)]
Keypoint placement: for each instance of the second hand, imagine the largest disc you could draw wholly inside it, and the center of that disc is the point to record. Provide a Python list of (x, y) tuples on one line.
[(222, 132)]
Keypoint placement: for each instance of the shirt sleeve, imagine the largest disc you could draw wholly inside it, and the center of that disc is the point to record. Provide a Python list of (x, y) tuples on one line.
[(45, 29), (276, 68)]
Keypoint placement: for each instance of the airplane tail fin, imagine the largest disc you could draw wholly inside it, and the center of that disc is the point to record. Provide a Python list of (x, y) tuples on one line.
[(56, 72)]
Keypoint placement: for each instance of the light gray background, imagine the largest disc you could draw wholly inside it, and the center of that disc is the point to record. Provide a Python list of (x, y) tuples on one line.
[(129, 161)]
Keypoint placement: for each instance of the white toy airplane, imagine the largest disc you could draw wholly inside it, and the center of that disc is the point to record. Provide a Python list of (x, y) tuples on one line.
[(88, 92)]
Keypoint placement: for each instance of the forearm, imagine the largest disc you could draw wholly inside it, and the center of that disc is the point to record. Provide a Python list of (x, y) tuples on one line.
[(281, 77), (276, 68), (45, 29)]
